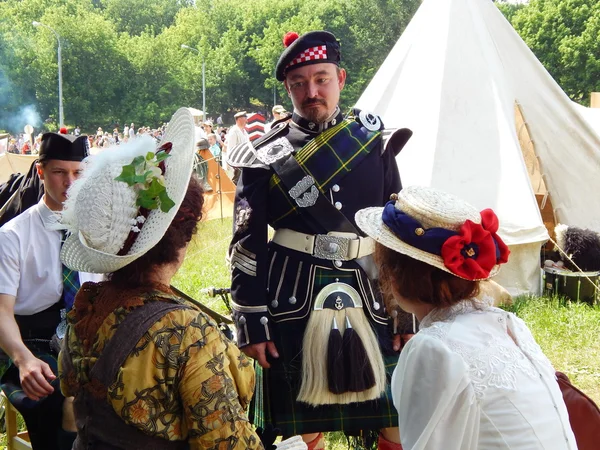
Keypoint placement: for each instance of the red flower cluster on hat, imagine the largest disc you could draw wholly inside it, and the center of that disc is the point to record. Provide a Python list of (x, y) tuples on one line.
[(476, 249), (289, 38)]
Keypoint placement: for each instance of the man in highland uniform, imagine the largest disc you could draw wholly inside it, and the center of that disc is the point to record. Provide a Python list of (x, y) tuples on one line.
[(35, 292), (307, 305)]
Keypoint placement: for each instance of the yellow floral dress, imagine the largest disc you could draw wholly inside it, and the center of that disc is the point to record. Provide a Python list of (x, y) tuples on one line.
[(184, 380)]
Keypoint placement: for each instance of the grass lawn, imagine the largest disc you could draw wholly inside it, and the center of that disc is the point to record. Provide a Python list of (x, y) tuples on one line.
[(568, 333)]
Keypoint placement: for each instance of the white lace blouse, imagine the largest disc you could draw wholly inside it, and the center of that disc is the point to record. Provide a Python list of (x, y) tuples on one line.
[(474, 378)]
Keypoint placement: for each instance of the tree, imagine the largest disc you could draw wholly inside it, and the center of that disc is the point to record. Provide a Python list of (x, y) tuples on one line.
[(137, 16), (123, 61), (563, 34)]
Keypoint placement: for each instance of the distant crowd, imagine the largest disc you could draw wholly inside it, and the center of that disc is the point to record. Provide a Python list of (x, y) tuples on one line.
[(218, 140)]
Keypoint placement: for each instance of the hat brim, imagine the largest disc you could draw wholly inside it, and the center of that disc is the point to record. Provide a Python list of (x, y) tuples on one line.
[(78, 255), (370, 221)]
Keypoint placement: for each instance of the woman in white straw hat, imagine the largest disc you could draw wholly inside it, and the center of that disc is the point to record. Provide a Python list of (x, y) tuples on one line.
[(473, 377), (147, 372)]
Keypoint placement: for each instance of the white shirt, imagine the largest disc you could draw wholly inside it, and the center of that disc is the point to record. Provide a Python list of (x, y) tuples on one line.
[(236, 136), (30, 267), (199, 133), (462, 383)]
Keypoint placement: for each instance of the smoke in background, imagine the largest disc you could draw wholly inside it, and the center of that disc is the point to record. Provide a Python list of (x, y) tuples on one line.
[(14, 115)]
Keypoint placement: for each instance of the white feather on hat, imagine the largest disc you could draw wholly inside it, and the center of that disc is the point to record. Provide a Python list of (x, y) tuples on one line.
[(101, 211)]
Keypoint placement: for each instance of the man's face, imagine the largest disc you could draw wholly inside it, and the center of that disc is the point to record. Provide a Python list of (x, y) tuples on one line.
[(315, 90), (58, 176), (241, 121)]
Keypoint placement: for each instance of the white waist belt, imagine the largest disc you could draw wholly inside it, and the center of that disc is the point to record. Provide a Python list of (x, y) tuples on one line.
[(333, 246)]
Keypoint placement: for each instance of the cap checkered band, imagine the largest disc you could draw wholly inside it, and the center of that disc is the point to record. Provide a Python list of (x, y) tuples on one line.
[(310, 54)]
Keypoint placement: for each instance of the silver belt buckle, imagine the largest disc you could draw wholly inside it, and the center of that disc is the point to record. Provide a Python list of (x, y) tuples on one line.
[(331, 247)]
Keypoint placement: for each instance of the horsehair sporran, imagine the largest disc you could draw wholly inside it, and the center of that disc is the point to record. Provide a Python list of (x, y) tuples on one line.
[(314, 389)]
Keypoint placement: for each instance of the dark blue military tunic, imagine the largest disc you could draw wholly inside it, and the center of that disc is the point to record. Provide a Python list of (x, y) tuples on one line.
[(273, 287)]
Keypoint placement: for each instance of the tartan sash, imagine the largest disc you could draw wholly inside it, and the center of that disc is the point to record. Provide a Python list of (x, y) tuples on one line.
[(327, 159), (70, 285)]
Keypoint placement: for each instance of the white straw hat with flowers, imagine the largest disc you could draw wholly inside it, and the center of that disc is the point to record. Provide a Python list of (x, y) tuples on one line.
[(127, 197), (439, 229)]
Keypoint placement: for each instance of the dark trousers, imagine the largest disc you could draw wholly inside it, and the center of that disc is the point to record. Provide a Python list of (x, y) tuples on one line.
[(44, 423), (44, 419)]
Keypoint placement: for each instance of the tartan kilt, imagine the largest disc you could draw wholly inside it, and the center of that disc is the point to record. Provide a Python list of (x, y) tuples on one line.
[(275, 402), (11, 385)]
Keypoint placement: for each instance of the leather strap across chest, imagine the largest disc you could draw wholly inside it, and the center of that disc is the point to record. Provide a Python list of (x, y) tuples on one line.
[(319, 164)]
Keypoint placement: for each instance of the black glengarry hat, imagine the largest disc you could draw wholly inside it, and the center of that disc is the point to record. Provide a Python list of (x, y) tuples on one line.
[(313, 47), (65, 147)]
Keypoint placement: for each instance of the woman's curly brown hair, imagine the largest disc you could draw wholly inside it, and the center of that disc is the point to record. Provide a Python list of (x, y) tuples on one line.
[(178, 235), (416, 280)]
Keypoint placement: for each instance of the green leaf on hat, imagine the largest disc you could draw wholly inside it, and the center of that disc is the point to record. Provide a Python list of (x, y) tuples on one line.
[(145, 175), (146, 201), (129, 175), (165, 201), (138, 160), (161, 156)]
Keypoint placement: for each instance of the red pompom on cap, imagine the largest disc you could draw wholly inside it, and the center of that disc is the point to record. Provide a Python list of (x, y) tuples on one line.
[(289, 38), (63, 130)]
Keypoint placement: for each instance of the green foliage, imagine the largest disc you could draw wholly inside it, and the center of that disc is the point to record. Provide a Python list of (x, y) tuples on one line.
[(123, 61), (137, 16), (563, 34)]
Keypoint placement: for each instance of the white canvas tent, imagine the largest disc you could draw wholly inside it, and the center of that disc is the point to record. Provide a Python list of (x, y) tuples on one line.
[(454, 78), (591, 115), (10, 163)]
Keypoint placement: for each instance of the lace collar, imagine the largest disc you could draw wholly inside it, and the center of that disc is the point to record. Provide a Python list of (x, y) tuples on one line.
[(449, 313)]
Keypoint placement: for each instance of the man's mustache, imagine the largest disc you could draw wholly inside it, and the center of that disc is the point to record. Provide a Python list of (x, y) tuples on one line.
[(314, 101)]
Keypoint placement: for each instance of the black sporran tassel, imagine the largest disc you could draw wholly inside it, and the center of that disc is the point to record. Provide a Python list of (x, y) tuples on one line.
[(359, 373), (335, 362)]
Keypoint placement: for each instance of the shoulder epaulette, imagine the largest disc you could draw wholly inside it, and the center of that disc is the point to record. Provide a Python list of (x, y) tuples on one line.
[(244, 155), (261, 152), (274, 132), (370, 121), (395, 139)]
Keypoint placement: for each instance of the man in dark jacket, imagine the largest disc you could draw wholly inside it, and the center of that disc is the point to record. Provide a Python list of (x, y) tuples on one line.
[(315, 279)]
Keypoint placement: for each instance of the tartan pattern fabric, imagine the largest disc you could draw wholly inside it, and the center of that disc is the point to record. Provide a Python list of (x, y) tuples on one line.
[(277, 388), (10, 382), (70, 285), (327, 159)]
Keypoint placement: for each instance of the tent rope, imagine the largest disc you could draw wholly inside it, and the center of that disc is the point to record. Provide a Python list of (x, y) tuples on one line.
[(576, 266)]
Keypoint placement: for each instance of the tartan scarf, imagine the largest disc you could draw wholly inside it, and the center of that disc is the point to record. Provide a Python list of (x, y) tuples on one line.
[(327, 159), (70, 283), (334, 153)]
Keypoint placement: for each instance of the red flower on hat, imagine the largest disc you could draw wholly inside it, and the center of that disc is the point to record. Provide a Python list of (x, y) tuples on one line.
[(472, 253), (289, 38), (489, 221)]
